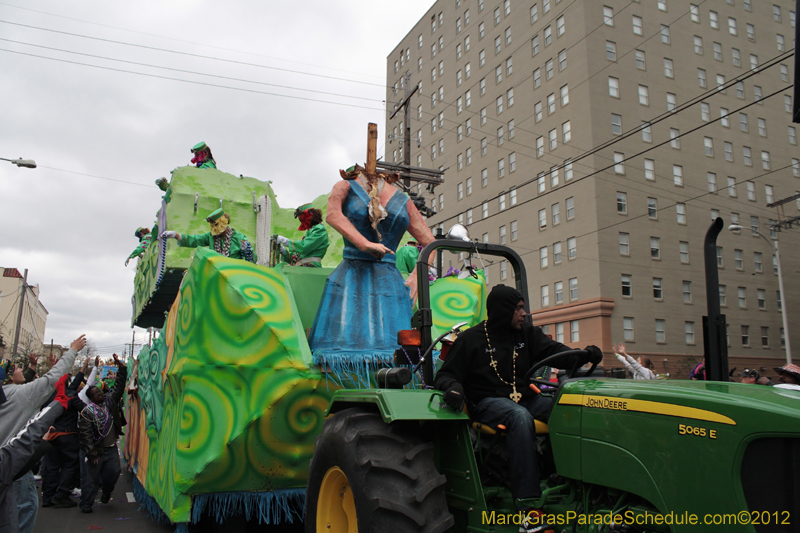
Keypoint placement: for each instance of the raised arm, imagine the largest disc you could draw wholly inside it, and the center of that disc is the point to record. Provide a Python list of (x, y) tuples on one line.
[(338, 221)]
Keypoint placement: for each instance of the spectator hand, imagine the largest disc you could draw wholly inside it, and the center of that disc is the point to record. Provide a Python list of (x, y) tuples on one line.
[(79, 343), (595, 353), (119, 362), (49, 435), (61, 395), (454, 396)]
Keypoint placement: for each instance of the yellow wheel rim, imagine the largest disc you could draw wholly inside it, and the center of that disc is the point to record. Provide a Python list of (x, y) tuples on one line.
[(336, 509)]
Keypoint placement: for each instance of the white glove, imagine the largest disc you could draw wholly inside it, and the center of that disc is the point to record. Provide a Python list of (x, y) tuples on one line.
[(283, 240), (283, 250), (170, 235), (126, 261)]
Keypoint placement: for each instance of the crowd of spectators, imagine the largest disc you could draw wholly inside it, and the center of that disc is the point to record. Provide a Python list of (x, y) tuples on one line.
[(65, 428)]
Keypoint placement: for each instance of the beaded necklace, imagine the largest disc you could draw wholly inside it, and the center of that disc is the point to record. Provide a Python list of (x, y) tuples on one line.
[(222, 242), (516, 396), (100, 417)]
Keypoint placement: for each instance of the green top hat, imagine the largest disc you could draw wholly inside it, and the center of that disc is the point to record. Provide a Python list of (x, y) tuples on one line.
[(214, 216), (199, 146), (302, 208)]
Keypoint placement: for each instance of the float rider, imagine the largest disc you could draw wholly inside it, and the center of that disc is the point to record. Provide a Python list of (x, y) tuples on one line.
[(145, 237), (310, 250), (406, 257), (202, 156), (222, 238)]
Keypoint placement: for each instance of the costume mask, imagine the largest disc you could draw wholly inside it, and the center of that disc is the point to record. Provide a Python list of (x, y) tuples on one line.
[(219, 226), (199, 157)]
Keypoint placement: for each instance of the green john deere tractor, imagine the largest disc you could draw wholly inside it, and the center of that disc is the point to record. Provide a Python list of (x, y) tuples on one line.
[(617, 455)]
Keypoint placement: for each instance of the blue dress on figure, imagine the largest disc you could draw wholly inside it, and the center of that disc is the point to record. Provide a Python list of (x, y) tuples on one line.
[(365, 301)]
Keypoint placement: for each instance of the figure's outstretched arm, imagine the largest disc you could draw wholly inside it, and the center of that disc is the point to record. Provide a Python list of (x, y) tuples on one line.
[(420, 231), (337, 220)]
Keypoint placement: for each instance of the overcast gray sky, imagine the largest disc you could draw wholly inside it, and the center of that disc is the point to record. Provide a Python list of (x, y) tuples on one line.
[(101, 136)]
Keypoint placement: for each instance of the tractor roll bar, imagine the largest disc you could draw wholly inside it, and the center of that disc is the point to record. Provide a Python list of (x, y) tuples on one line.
[(424, 292)]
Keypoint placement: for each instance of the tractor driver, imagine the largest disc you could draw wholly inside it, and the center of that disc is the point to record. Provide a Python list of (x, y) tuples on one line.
[(486, 367)]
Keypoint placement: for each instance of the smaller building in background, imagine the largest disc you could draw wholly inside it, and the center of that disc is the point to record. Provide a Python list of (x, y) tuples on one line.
[(34, 315)]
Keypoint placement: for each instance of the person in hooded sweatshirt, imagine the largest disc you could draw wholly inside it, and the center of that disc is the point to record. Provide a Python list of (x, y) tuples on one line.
[(486, 367)]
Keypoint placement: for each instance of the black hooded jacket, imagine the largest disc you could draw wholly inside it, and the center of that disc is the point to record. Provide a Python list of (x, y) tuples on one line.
[(468, 361)]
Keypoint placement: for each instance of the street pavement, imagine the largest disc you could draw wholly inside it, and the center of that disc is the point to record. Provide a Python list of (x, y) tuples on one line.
[(122, 515)]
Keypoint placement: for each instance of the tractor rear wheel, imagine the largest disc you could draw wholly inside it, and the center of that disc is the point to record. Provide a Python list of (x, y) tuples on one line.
[(370, 476)]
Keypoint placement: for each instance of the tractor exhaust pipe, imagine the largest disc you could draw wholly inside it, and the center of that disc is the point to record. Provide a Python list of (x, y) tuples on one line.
[(714, 327)]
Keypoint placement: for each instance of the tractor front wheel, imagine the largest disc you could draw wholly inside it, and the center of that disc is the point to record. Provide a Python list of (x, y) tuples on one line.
[(370, 476)]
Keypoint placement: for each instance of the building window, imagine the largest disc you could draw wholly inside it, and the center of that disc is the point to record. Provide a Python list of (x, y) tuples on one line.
[(627, 288), (644, 95), (503, 269), (574, 334), (559, 290), (677, 175), (701, 78), (616, 124), (514, 230), (675, 141), (649, 170), (672, 102), (641, 62), (613, 87), (698, 45), (543, 257), (647, 135), (687, 292), (745, 335), (619, 163), (624, 243), (572, 248), (556, 209), (637, 25), (661, 335), (712, 182), (573, 289), (658, 292), (608, 16), (723, 296), (681, 213), (627, 328), (665, 34), (669, 71), (764, 336), (688, 328), (545, 294), (622, 203), (652, 208), (560, 332), (655, 248), (542, 218), (556, 253), (611, 50)]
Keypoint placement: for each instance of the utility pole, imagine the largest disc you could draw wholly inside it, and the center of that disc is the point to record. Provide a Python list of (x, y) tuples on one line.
[(406, 126), (133, 340), (19, 315)]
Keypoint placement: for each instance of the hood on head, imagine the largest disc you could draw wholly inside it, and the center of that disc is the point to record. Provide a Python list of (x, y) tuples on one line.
[(500, 307)]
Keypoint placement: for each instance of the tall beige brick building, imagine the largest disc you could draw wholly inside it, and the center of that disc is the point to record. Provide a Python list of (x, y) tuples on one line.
[(599, 140)]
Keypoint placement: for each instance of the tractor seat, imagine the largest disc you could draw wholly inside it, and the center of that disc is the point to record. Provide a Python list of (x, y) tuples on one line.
[(541, 427)]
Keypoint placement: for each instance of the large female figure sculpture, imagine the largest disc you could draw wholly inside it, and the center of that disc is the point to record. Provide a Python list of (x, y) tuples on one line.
[(365, 301)]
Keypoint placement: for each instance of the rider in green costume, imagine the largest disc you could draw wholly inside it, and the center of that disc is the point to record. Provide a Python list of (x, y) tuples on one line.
[(406, 258), (309, 250), (145, 237), (202, 156), (222, 238)]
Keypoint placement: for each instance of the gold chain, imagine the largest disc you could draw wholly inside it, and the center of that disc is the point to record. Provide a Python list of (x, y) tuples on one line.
[(516, 396)]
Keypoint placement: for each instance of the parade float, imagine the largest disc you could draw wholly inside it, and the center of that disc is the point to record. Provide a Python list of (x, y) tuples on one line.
[(224, 408)]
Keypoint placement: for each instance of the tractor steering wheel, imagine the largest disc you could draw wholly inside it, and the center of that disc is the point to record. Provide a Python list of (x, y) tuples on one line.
[(577, 358)]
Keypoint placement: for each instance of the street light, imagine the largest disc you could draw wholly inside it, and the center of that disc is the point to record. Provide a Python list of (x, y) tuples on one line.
[(27, 163), (737, 227)]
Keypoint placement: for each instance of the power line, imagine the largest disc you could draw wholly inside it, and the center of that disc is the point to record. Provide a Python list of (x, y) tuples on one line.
[(189, 54), (192, 81), (184, 41), (191, 71)]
